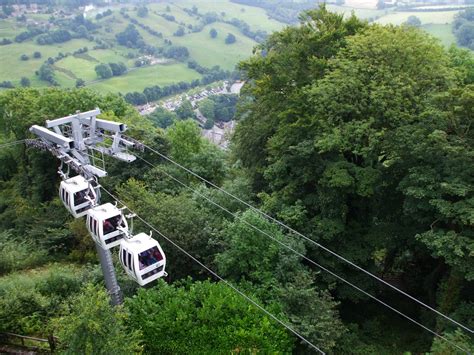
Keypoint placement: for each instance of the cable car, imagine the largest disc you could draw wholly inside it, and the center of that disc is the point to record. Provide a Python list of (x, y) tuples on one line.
[(106, 225), (77, 195), (142, 258)]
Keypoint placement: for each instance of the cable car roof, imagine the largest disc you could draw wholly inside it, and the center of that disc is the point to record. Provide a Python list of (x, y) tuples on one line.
[(75, 184), (140, 242), (105, 211)]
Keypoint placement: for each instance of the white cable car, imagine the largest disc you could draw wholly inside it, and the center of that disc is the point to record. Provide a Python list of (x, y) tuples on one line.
[(142, 258), (77, 195), (106, 225)]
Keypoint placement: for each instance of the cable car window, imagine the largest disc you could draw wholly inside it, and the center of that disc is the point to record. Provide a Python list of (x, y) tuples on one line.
[(95, 227), (80, 197), (124, 257), (149, 257), (130, 261), (111, 224)]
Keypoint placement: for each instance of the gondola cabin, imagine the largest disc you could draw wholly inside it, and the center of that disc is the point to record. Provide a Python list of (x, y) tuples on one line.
[(106, 225), (77, 195), (142, 258)]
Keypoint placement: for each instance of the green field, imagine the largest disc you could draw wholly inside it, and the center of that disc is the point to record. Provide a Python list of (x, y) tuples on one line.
[(79, 67), (256, 17), (361, 13), (209, 52), (141, 78), (13, 68), (9, 29), (443, 32), (435, 17)]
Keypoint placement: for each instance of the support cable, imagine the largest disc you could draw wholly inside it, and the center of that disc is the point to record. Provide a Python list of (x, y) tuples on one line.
[(235, 215), (219, 277), (340, 257), (10, 144)]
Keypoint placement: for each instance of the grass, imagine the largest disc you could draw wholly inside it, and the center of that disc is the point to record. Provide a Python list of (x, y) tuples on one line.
[(361, 13), (435, 17), (209, 52), (256, 17), (12, 68), (443, 32), (9, 29), (80, 68), (139, 79)]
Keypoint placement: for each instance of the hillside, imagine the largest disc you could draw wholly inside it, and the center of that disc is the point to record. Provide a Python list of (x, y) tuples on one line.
[(151, 59)]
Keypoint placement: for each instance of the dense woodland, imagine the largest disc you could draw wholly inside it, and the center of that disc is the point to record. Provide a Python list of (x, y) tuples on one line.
[(358, 136)]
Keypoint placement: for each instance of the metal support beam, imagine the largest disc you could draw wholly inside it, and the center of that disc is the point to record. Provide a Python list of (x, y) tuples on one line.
[(110, 279), (50, 136)]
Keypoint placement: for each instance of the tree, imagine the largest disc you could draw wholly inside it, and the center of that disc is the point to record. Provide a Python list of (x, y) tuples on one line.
[(185, 110), (179, 32), (230, 39), (162, 117), (37, 55), (118, 68), (24, 57), (413, 21), (92, 325), (465, 35), (364, 133), (213, 33), (130, 37), (185, 140), (80, 83), (206, 107), (204, 317), (25, 82), (142, 11), (103, 71), (275, 273), (46, 73)]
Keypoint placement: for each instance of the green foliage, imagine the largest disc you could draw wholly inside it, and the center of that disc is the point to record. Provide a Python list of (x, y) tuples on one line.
[(213, 33), (203, 317), (463, 28), (142, 11), (185, 110), (206, 107), (103, 71), (29, 300), (91, 325), (163, 118), (276, 273), (25, 82), (185, 140), (413, 21), (441, 347), (19, 253), (230, 38)]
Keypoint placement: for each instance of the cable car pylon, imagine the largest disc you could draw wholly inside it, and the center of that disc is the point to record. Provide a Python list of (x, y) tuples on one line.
[(79, 141)]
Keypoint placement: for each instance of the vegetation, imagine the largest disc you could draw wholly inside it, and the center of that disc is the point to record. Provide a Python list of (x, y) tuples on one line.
[(464, 28), (368, 155)]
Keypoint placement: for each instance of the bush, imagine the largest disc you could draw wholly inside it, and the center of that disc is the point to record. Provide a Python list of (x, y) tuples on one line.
[(24, 57), (18, 254), (230, 39)]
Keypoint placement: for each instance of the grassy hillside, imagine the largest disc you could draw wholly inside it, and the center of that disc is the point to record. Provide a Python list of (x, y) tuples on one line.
[(13, 68), (435, 17), (139, 79), (209, 52), (441, 31), (202, 48)]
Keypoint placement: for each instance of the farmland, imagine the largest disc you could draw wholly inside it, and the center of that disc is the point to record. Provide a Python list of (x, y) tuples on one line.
[(158, 30)]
